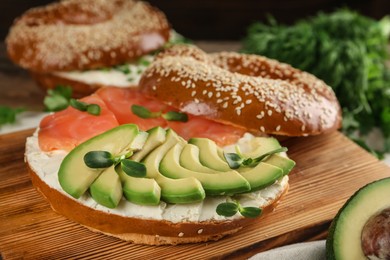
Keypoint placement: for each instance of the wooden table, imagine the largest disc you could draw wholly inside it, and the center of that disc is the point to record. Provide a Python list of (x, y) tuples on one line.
[(330, 168)]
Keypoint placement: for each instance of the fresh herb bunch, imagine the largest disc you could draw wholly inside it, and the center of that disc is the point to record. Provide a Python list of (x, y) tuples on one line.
[(8, 114), (346, 50)]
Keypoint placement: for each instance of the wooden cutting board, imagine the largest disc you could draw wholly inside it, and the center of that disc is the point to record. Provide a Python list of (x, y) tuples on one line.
[(330, 168)]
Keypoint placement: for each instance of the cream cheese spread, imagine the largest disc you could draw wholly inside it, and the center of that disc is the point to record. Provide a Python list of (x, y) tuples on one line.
[(125, 75), (46, 166)]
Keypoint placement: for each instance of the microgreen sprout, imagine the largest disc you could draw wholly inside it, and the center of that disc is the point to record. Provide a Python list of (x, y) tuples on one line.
[(230, 208), (58, 98), (144, 112), (237, 160), (104, 159), (92, 109)]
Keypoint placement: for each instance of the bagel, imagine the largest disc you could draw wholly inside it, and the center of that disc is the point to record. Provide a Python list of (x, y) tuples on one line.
[(73, 35), (260, 94), (164, 224)]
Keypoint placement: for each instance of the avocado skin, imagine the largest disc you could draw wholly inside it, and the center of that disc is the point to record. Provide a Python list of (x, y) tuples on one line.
[(331, 247)]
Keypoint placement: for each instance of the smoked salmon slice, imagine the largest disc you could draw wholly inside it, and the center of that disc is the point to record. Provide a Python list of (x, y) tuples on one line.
[(66, 129), (120, 100), (197, 126)]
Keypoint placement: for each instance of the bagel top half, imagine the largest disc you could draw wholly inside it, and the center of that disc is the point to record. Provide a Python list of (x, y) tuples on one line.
[(254, 92), (78, 35)]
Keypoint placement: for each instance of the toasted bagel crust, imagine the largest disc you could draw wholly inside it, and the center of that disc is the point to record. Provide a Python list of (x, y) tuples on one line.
[(142, 231), (78, 35), (251, 91)]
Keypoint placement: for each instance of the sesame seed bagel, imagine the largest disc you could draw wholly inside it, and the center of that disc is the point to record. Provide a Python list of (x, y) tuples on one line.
[(79, 35), (143, 231), (251, 91), (129, 221)]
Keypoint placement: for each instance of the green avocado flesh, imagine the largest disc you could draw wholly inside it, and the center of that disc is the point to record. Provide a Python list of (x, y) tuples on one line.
[(176, 171), (143, 191), (344, 238), (107, 188), (185, 190), (218, 183), (210, 155), (74, 176)]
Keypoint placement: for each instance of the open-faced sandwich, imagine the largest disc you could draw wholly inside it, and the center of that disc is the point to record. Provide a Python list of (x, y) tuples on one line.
[(88, 44), (186, 156)]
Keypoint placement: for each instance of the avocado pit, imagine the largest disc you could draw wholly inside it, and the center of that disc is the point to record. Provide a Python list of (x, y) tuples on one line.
[(376, 236)]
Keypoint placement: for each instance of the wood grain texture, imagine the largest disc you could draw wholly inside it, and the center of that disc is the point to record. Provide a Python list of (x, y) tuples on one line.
[(330, 168)]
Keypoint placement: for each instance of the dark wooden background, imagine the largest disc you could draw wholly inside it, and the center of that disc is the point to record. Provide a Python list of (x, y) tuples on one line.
[(221, 19)]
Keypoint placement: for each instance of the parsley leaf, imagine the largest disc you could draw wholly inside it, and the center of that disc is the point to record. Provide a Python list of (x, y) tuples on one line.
[(8, 114)]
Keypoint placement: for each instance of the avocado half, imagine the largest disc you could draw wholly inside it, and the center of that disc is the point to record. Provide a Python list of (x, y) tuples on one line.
[(345, 233)]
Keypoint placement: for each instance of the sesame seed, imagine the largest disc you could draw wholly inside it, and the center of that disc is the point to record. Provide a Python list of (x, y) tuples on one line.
[(181, 234), (200, 231)]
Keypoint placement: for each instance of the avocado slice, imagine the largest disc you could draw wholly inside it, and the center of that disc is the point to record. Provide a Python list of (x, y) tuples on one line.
[(209, 154), (218, 183), (143, 191), (261, 176), (282, 162), (107, 188), (344, 238), (74, 176), (262, 145), (189, 158), (186, 190), (156, 136)]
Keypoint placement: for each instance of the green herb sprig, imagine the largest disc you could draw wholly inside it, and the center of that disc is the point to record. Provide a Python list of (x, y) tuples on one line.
[(92, 109), (58, 98), (144, 112), (229, 209), (104, 159), (345, 49), (237, 160), (8, 114)]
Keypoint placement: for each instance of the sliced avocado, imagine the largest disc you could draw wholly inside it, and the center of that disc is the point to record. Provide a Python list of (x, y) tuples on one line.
[(185, 190), (156, 136), (209, 154), (189, 158), (282, 162), (139, 141), (218, 183), (74, 176), (261, 176), (143, 191), (262, 145), (107, 189), (344, 240)]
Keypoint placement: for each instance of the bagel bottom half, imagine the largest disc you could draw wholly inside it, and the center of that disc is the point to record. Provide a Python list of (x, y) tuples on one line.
[(137, 229)]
